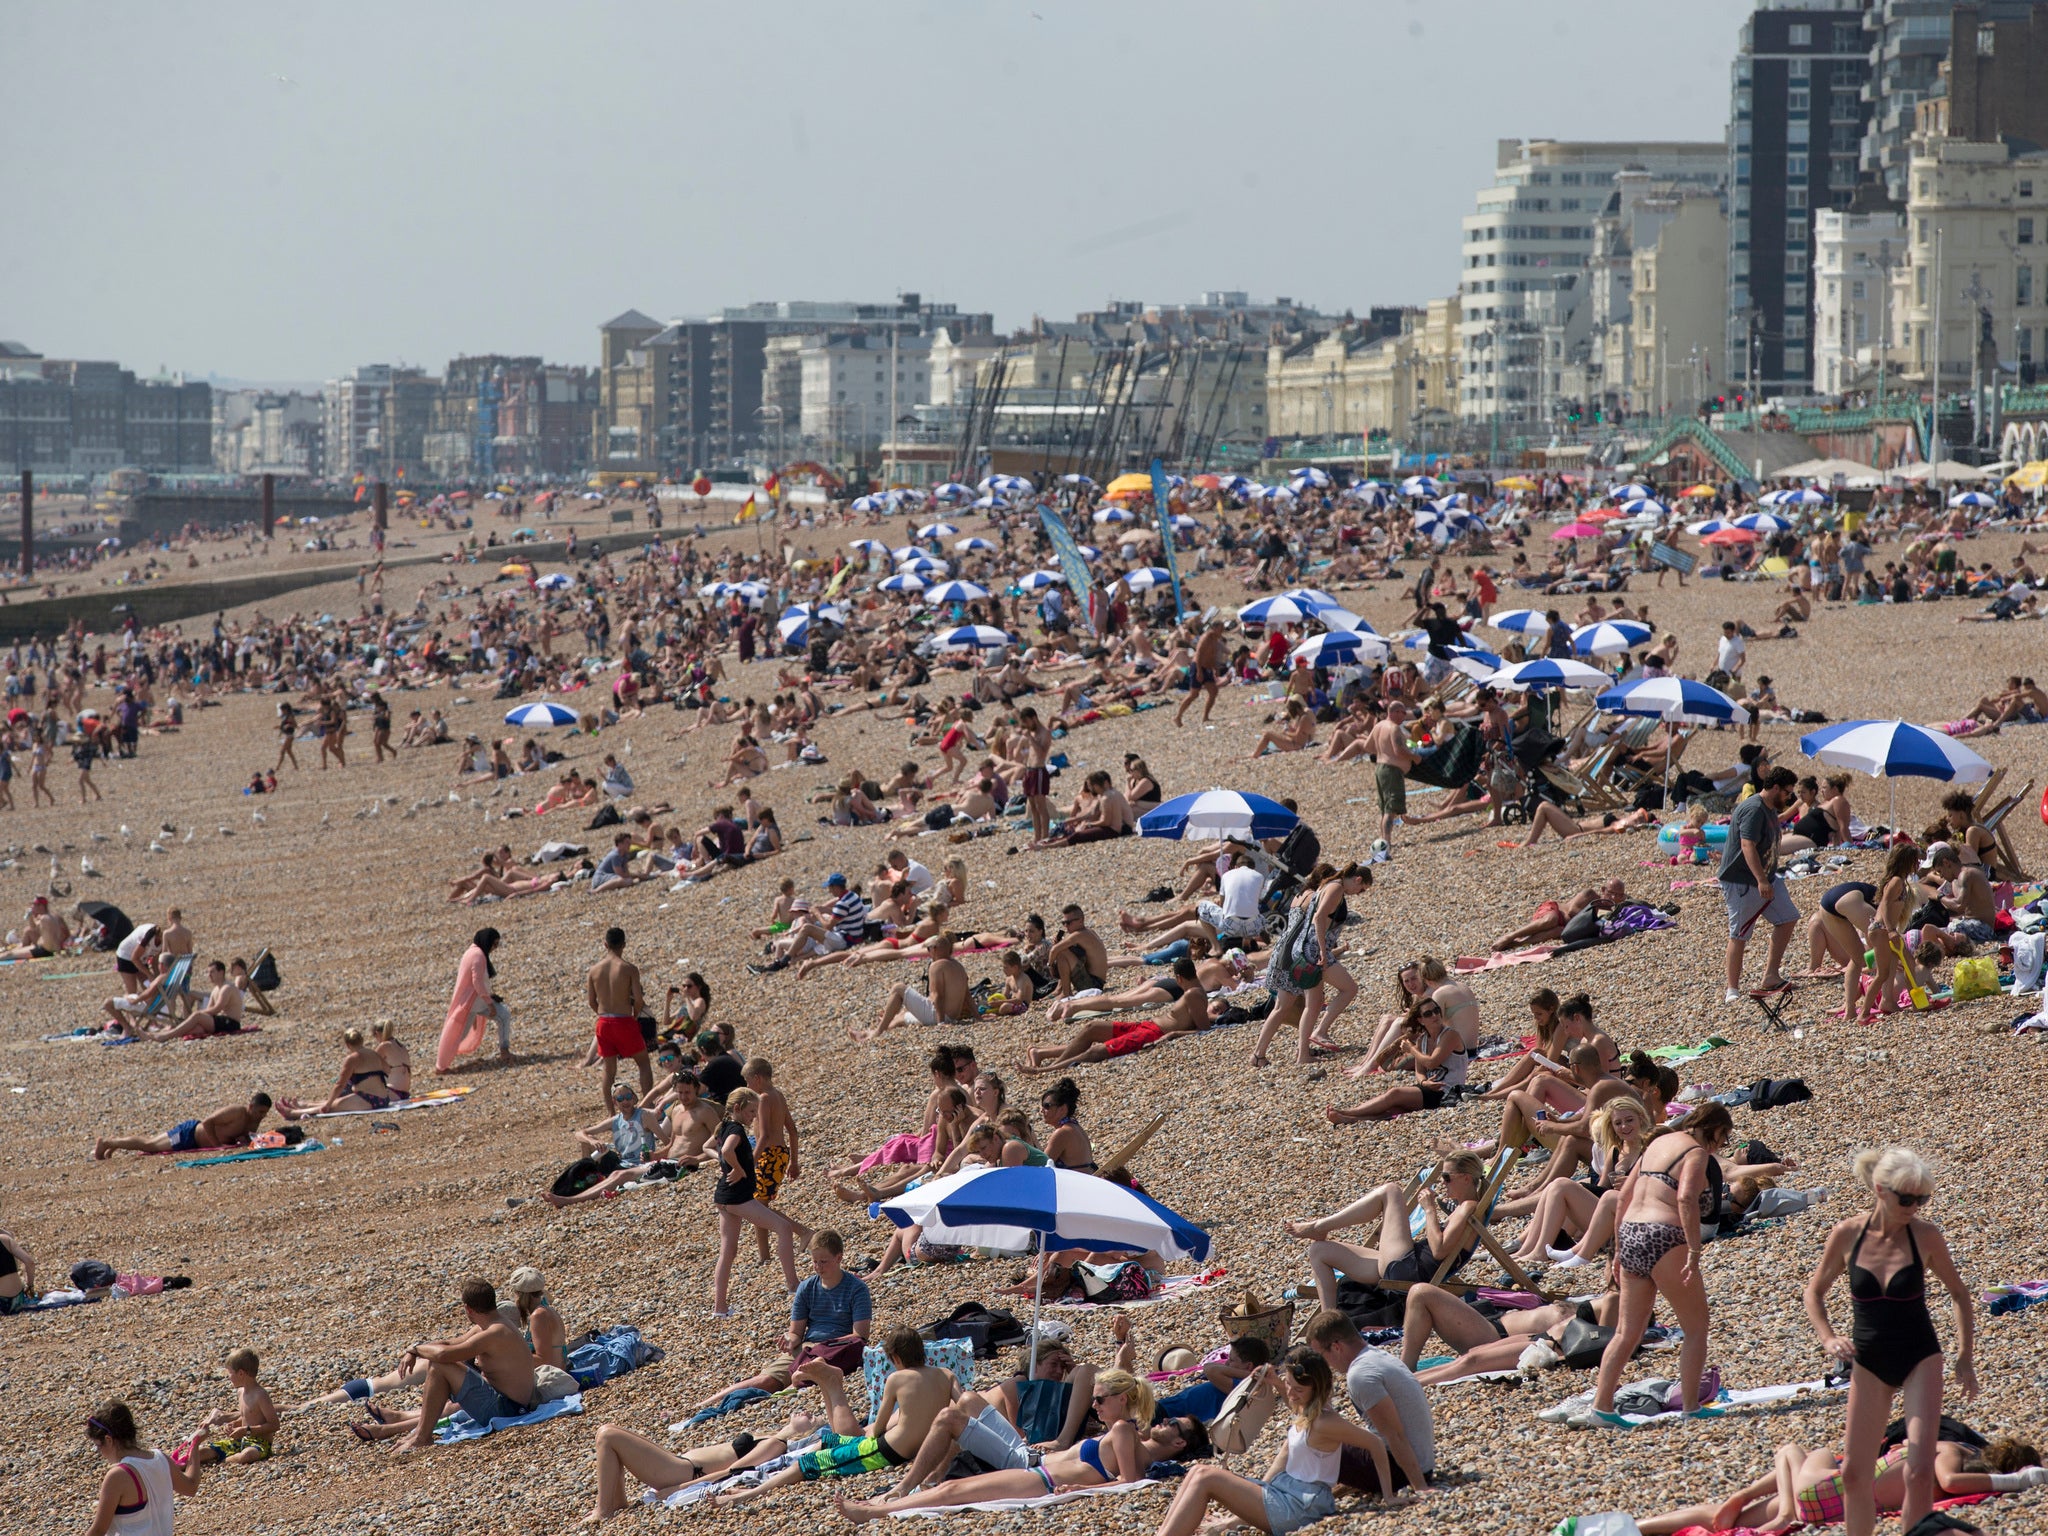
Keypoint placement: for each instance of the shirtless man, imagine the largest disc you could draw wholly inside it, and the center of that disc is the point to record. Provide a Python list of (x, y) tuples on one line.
[(691, 1117), (177, 938), (1079, 959), (220, 1014), (775, 1143), (43, 933), (1037, 776), (616, 997), (943, 1001), (223, 1128), (912, 1397), (1388, 744), (1206, 674), (1963, 891), (487, 1372), (1189, 1013)]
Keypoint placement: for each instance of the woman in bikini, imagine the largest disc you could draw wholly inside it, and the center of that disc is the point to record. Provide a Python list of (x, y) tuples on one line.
[(1296, 731), (1886, 935), (1450, 1227), (1657, 1252), (364, 1083), (1067, 1145), (1895, 1349), (1837, 936), (1552, 1044), (397, 1059), (1621, 1130), (1437, 1053)]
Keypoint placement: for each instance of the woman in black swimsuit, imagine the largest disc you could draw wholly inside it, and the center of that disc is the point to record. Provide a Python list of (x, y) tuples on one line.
[(1067, 1144), (1838, 932), (1459, 1179), (364, 1083), (1822, 821), (1893, 1343)]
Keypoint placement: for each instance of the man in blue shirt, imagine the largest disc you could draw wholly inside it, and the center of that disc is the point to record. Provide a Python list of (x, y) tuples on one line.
[(830, 1307)]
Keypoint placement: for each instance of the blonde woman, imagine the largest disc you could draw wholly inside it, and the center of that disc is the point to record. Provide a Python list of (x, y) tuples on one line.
[(1621, 1130), (1895, 1349), (1299, 1486), (364, 1083)]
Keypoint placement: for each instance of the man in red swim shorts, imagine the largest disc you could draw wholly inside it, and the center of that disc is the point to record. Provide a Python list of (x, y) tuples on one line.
[(618, 1001), (1134, 1036)]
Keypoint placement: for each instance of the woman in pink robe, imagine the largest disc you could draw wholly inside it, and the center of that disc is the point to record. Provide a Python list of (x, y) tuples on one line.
[(471, 1006)]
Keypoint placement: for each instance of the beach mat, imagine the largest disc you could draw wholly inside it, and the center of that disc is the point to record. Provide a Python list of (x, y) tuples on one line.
[(252, 1156), (438, 1098)]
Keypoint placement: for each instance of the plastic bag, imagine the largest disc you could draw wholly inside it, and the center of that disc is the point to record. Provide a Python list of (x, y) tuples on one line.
[(1976, 976)]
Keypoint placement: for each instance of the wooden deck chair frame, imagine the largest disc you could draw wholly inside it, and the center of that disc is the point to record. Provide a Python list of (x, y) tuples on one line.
[(257, 1000), (1489, 1196), (1992, 818), (171, 983)]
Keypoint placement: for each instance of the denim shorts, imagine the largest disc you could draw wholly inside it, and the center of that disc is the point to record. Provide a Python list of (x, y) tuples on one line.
[(1292, 1503), (992, 1439)]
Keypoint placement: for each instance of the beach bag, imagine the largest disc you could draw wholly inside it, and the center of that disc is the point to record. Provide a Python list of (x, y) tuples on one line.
[(985, 1329), (607, 817), (1583, 1343), (1242, 1418), (1976, 976), (1251, 1318), (1584, 924), (266, 975), (1776, 1092), (1300, 974)]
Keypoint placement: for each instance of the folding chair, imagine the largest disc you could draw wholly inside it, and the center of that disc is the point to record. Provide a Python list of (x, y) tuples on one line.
[(1772, 1006), (256, 998), (171, 983)]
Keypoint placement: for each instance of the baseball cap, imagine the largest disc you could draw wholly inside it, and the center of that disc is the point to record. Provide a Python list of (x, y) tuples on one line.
[(1937, 852), (527, 1281), (834, 879)]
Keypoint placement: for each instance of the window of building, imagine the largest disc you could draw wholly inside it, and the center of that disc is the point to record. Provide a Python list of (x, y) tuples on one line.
[(1742, 170), (1795, 233), (1862, 327), (1799, 69), (1919, 285), (1742, 104), (1795, 295), (1797, 133), (2026, 236), (2023, 286), (1795, 263), (1920, 231), (1856, 289), (2026, 188), (1541, 178), (1795, 359), (1799, 35), (1987, 41), (1798, 103), (1848, 37), (1795, 198), (1795, 167), (1795, 327), (1569, 204), (1570, 178), (1740, 231), (2024, 336)]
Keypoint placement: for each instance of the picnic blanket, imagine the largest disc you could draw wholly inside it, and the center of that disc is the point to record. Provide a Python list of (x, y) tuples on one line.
[(459, 1426), (435, 1098), (1173, 1288), (260, 1152), (1043, 1501), (1535, 954)]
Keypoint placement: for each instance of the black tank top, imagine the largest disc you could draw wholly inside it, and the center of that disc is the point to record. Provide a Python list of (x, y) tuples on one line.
[(730, 1191)]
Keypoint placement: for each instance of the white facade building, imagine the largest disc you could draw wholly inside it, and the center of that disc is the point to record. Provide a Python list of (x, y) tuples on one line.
[(1533, 233), (352, 408), (1853, 254), (855, 388)]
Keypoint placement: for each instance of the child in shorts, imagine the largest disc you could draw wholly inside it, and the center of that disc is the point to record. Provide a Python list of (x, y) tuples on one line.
[(244, 1436)]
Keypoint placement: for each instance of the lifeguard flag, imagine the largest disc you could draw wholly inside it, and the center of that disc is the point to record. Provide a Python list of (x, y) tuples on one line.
[(748, 512), (774, 485)]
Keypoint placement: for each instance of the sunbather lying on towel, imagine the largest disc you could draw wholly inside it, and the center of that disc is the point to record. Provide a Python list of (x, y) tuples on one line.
[(228, 1127), (1805, 1487), (1547, 923), (620, 1451), (1188, 1011), (1483, 1343)]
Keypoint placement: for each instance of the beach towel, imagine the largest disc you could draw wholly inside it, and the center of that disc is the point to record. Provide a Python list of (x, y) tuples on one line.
[(613, 1353), (2003, 1300), (1959, 1502), (459, 1426), (260, 1152), (436, 1098), (708, 1488), (1677, 1055), (1173, 1288), (1750, 1397), (1535, 954), (1453, 764), (732, 1402), (463, 1030), (1043, 1501)]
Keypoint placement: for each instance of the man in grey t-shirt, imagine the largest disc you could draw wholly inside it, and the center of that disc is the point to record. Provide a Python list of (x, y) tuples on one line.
[(1386, 1395), (1750, 885)]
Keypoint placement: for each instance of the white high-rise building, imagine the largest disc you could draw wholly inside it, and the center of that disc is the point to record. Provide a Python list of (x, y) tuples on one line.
[(1533, 233), (1853, 254), (855, 387)]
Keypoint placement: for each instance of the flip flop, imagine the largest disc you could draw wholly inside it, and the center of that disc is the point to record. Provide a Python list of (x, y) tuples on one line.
[(362, 1431)]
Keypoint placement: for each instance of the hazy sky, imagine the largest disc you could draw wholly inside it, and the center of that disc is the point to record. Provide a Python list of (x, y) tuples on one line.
[(280, 192)]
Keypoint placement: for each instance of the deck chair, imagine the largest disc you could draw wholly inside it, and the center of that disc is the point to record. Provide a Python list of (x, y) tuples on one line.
[(1489, 1197), (174, 982), (257, 1000), (1991, 814)]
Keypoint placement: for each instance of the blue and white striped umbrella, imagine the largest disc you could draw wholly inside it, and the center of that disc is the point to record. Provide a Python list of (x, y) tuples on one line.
[(1278, 610), (715, 591), (1972, 499), (1549, 672), (554, 581), (1521, 621), (752, 590), (905, 497), (908, 552), (1764, 522), (869, 547), (986, 503), (1004, 1207), (902, 581), (1421, 485), (937, 531), (1309, 475), (870, 504), (973, 637), (794, 629), (540, 716), (955, 592), (1806, 497), (1114, 515), (1610, 638), (1645, 506), (1147, 577), (1635, 490), (831, 613), (1076, 480), (970, 545), (1893, 749), (1182, 523), (924, 565), (1212, 813), (1006, 485), (1038, 581), (1711, 525), (952, 493), (1672, 698), (1340, 645), (1315, 595), (1235, 485), (1343, 619), (1089, 552), (1457, 501)]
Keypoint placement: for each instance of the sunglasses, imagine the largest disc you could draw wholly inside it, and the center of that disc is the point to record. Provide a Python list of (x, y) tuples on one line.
[(1909, 1201), (1423, 1013), (1103, 1397)]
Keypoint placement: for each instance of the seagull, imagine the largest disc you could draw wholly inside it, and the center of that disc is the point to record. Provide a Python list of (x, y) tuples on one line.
[(126, 831), (284, 80), (157, 847), (86, 866), (259, 818), (227, 831), (101, 837)]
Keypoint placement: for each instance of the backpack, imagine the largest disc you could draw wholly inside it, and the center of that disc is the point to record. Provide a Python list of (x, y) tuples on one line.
[(1775, 1092), (985, 1329), (1299, 849), (607, 817), (265, 975), (1111, 1283)]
